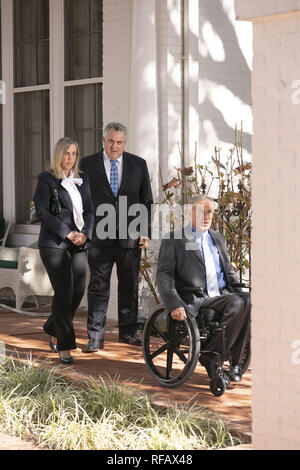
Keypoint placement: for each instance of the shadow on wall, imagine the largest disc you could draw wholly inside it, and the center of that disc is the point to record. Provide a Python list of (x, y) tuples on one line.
[(223, 64), (223, 98)]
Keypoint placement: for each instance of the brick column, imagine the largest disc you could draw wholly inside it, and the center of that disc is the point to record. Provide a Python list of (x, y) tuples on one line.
[(276, 222)]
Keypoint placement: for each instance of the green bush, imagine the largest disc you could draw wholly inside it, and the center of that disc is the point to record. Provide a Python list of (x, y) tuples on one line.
[(36, 401)]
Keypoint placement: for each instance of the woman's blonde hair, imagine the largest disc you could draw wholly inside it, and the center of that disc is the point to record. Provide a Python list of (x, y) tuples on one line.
[(59, 151)]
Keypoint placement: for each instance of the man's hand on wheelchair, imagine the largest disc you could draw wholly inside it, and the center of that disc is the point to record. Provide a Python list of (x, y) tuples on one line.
[(178, 314)]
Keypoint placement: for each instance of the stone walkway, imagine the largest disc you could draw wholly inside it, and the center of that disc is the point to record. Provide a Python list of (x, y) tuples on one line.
[(24, 334)]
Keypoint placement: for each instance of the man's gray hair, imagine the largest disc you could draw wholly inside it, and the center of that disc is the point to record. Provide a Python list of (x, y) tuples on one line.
[(115, 126), (197, 198)]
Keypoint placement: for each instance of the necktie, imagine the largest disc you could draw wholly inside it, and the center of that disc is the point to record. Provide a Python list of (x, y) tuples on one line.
[(114, 180), (211, 275)]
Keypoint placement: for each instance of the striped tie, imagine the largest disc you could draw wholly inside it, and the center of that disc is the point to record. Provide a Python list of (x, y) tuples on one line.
[(114, 180)]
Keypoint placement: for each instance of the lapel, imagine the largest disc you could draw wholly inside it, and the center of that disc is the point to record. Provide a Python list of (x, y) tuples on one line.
[(125, 171), (63, 193), (100, 170), (219, 246), (192, 246)]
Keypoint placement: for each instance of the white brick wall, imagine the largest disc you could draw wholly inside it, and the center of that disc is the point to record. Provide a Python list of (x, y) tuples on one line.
[(168, 16), (220, 62), (276, 224), (116, 59)]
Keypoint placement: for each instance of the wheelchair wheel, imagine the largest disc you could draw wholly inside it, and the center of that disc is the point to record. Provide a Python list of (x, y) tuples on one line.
[(171, 348), (246, 359)]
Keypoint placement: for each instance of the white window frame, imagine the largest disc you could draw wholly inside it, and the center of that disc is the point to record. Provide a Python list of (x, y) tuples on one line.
[(56, 87)]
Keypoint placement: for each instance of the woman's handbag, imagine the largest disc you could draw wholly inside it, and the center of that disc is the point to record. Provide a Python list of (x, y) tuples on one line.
[(54, 207)]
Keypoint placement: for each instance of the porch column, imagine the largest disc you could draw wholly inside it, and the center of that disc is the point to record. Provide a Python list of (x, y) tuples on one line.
[(275, 255), (143, 111)]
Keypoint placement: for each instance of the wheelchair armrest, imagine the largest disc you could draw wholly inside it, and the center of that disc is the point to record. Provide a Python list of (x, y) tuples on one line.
[(240, 284)]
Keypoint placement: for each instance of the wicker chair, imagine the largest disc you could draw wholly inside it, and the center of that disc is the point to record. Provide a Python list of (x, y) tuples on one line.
[(23, 271)]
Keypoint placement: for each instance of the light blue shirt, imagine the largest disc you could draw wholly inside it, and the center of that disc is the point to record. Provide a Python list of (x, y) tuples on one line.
[(215, 253)]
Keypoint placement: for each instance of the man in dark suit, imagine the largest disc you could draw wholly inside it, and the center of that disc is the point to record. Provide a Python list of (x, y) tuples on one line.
[(196, 257), (118, 181)]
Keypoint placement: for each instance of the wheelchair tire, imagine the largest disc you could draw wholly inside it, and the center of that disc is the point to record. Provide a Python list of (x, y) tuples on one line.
[(171, 348), (246, 359), (217, 386)]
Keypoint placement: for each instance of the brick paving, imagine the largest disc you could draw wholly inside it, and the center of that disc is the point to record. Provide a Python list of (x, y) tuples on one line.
[(24, 334), (15, 443)]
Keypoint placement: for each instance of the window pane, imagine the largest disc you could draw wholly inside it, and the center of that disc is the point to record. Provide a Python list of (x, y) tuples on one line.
[(84, 107), (78, 16), (95, 55), (43, 20), (89, 142), (83, 39), (33, 164), (43, 62), (26, 20), (26, 65), (31, 25), (95, 16), (33, 111), (83, 116), (79, 57), (32, 146)]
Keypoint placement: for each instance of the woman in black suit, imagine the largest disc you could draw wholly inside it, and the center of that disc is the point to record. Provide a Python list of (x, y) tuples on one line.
[(64, 239)]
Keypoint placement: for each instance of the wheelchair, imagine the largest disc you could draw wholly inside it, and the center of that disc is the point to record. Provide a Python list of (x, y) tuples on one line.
[(172, 348)]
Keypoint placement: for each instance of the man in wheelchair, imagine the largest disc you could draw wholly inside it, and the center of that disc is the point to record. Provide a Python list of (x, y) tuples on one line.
[(194, 273)]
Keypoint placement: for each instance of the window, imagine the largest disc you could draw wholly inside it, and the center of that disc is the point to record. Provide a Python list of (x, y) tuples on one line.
[(83, 61), (31, 24), (32, 145), (83, 116), (83, 39), (49, 103)]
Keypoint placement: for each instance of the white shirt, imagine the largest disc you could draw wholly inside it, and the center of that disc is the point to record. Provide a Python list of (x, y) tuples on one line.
[(107, 166), (70, 184)]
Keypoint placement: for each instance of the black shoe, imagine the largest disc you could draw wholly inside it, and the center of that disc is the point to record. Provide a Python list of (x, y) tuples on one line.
[(235, 373), (94, 345), (131, 339), (66, 360), (53, 346), (226, 377)]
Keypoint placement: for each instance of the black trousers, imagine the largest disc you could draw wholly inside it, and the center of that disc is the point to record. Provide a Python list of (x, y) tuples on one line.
[(233, 312), (101, 261), (67, 273)]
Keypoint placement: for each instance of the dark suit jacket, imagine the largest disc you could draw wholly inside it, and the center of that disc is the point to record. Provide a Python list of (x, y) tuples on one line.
[(55, 228), (181, 270), (135, 185)]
